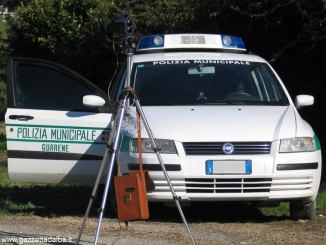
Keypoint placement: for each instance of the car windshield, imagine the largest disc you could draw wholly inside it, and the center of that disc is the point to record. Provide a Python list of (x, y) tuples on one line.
[(206, 82)]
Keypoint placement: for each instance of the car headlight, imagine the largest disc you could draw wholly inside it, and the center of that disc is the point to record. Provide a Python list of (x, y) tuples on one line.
[(167, 146), (298, 144)]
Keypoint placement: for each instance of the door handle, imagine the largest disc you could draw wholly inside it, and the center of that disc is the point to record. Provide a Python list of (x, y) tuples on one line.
[(26, 117)]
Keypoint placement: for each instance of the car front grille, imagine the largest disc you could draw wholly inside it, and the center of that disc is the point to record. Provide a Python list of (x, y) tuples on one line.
[(215, 148), (239, 185), (221, 186)]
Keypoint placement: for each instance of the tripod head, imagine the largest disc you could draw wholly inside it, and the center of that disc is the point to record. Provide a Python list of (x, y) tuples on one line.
[(128, 44)]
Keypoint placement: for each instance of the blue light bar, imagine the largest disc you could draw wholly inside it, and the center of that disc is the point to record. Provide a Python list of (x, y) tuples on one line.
[(151, 42), (232, 42), (191, 41)]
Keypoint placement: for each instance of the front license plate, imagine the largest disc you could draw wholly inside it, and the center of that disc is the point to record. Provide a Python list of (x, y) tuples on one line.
[(228, 167)]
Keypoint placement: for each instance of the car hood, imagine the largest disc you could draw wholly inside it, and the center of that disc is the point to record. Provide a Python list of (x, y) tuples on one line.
[(220, 123)]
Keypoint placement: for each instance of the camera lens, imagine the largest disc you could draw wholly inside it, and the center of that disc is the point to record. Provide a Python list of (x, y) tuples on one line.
[(129, 30), (129, 23)]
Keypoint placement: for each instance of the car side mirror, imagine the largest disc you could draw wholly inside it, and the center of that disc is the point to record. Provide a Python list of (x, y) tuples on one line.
[(93, 101), (303, 100)]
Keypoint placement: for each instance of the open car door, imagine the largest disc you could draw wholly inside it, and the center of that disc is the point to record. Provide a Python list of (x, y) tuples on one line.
[(51, 136)]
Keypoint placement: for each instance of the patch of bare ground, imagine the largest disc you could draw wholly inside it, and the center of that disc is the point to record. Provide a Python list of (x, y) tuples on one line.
[(284, 232)]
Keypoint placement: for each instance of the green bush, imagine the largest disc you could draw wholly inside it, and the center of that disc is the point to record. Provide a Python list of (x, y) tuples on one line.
[(71, 32)]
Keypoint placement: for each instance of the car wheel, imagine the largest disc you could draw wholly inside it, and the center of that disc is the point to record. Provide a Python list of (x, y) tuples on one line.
[(307, 211)]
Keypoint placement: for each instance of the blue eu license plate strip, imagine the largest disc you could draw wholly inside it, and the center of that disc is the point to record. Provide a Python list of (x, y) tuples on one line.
[(228, 167)]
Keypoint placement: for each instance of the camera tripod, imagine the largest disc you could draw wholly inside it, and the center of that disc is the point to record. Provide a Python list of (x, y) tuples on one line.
[(111, 150)]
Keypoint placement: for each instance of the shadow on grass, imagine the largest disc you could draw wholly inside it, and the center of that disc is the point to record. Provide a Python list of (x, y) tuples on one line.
[(45, 200), (72, 200), (223, 212)]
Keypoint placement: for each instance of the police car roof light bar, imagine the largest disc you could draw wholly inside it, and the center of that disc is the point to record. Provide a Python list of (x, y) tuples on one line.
[(191, 41)]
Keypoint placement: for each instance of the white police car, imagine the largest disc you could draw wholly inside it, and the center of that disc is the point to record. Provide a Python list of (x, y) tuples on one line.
[(225, 122)]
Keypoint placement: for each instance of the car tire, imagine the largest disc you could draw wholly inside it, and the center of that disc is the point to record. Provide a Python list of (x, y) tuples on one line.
[(307, 211)]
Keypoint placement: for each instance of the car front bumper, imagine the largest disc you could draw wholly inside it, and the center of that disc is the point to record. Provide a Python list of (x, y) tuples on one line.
[(274, 176)]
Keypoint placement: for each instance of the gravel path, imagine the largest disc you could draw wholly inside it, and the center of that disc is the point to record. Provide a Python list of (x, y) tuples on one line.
[(65, 231), (207, 228)]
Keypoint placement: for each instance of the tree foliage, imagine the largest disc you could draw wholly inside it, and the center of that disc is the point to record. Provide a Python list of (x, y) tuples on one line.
[(72, 32), (68, 31), (270, 27), (3, 54)]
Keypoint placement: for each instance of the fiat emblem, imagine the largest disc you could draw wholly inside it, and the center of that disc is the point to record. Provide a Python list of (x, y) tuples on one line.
[(227, 148)]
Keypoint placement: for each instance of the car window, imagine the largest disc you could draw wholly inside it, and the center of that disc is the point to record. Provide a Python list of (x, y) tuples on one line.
[(189, 81), (44, 87)]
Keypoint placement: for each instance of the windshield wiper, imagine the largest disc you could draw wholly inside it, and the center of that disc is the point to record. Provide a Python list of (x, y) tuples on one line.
[(215, 102), (197, 102), (160, 103), (223, 102)]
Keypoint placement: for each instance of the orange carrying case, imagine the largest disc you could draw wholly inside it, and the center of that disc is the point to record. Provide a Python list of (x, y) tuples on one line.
[(130, 189)]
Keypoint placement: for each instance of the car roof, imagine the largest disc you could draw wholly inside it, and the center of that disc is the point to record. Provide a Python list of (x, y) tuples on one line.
[(194, 56)]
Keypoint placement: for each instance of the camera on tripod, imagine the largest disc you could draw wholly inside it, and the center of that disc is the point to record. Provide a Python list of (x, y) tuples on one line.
[(124, 28)]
